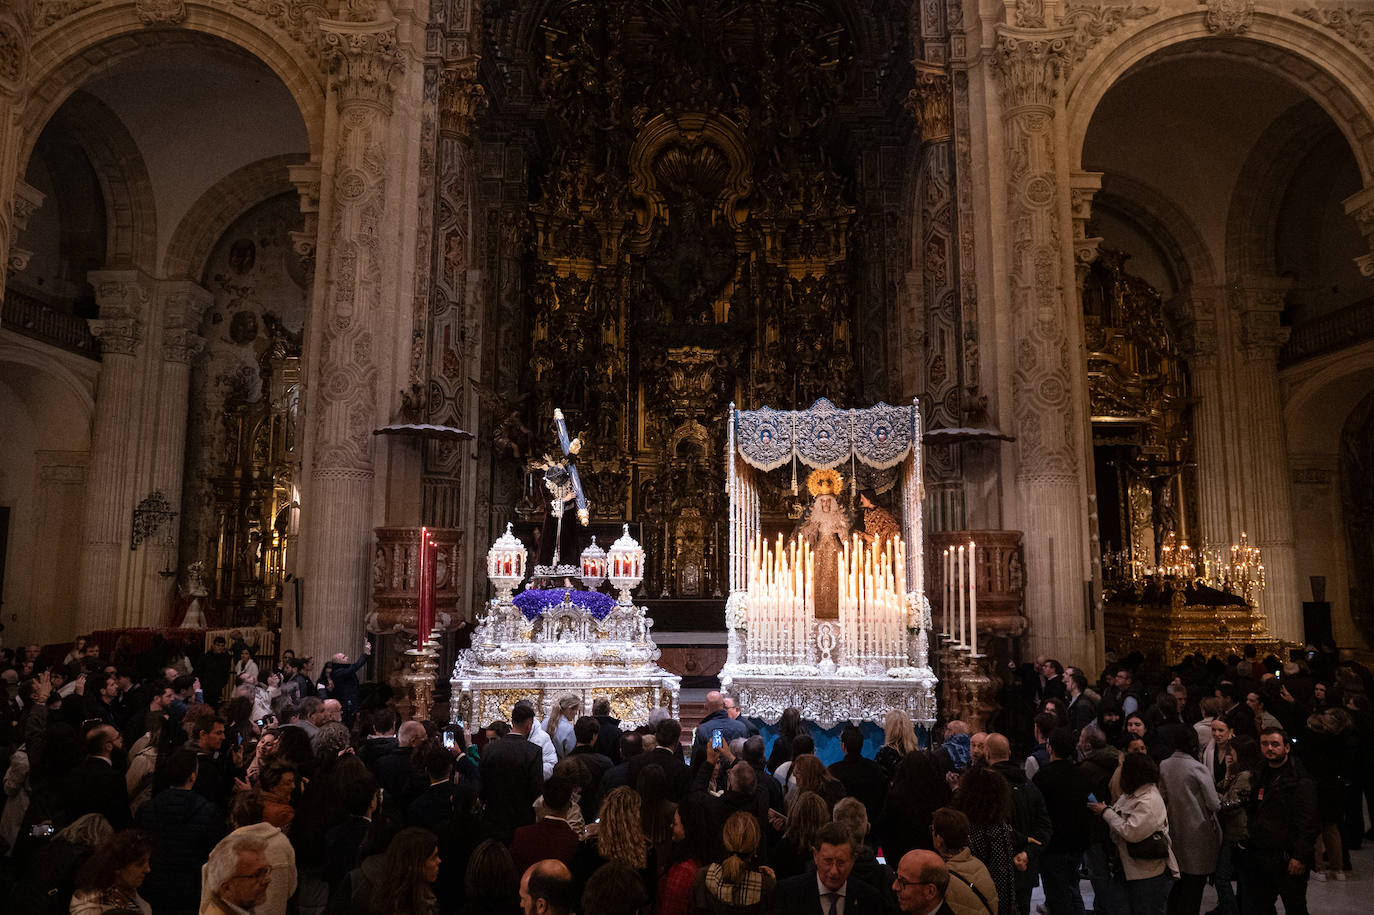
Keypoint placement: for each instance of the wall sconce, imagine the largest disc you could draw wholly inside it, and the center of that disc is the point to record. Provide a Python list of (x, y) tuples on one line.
[(151, 514)]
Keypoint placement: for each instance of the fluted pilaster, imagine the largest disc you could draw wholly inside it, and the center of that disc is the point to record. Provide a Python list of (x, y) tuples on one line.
[(1049, 415), (365, 66), (1211, 417)]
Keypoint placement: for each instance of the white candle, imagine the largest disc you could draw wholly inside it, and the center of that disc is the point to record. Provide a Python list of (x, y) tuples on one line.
[(949, 592), (973, 597), (961, 595)]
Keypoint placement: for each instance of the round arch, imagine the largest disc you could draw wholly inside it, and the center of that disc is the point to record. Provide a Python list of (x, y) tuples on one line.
[(1158, 216), (31, 359), (1329, 69), (217, 208), (1322, 392), (131, 238), (86, 44)]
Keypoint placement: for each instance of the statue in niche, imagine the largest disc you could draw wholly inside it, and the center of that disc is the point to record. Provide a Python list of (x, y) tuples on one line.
[(825, 527)]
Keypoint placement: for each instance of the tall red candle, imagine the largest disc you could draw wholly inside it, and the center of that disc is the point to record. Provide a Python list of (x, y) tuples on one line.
[(425, 609)]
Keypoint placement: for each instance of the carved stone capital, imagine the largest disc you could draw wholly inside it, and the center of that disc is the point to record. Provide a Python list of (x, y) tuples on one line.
[(1258, 309), (180, 345), (1198, 324), (19, 259), (363, 59), (306, 179), (1229, 17), (931, 102), (1030, 66), (303, 245), (1360, 206), (161, 12), (117, 335), (461, 98), (27, 200), (1083, 187)]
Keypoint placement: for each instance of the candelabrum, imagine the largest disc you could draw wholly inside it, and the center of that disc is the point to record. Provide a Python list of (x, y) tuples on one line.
[(1238, 570), (506, 563), (593, 566), (420, 678)]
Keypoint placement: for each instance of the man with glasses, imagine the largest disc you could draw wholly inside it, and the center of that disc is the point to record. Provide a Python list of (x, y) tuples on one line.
[(921, 883), (240, 874), (828, 890)]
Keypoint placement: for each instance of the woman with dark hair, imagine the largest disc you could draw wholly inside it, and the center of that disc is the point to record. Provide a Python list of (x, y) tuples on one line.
[(791, 854), (491, 886), (984, 796), (790, 727), (278, 783), (398, 882), (810, 774), (110, 880), (47, 881), (1139, 826), (918, 790), (293, 746), (693, 848), (1242, 759), (655, 810)]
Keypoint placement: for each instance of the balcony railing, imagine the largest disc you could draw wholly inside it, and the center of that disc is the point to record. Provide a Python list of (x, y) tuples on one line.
[(1337, 330), (26, 315)]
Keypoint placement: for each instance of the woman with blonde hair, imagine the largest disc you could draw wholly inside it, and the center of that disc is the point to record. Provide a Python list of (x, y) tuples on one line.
[(899, 739), (735, 886), (559, 727), (620, 837)]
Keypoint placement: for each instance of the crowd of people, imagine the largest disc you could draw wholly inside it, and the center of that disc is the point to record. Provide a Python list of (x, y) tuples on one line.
[(243, 784)]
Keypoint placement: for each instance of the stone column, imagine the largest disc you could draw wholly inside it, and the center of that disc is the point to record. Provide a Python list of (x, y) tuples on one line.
[(111, 493), (183, 302), (1212, 416), (364, 64), (57, 533), (14, 54), (1259, 411), (1047, 408)]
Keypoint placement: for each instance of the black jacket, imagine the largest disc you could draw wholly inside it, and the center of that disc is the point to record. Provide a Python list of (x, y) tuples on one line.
[(185, 827), (1283, 812), (799, 895), (1065, 789), (1029, 820), (96, 786), (679, 776), (512, 778), (608, 738), (863, 779)]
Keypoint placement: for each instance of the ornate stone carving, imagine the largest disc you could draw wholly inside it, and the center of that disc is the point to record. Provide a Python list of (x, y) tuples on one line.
[(461, 98), (27, 200), (1093, 22), (297, 18), (14, 52), (1259, 309), (1360, 206), (118, 335), (180, 345), (1031, 66), (19, 259), (931, 103), (1083, 186), (1030, 14), (1229, 17), (363, 59), (161, 12), (1354, 25)]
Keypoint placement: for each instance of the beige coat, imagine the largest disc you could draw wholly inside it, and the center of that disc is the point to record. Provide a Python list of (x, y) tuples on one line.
[(959, 897), (1134, 817)]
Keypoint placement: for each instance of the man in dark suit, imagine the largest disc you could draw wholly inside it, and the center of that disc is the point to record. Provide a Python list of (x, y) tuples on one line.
[(443, 800), (828, 891), (1065, 788), (608, 730), (922, 879), (97, 785), (512, 776), (551, 837), (631, 745), (597, 764), (667, 734), (862, 777)]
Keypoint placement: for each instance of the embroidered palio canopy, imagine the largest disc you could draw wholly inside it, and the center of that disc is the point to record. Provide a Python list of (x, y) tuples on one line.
[(826, 436)]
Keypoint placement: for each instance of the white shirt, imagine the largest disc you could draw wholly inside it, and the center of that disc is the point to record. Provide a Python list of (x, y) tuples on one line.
[(540, 739), (826, 894)]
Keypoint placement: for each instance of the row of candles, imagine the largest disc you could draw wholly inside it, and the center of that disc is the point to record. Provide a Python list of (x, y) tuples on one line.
[(1239, 571), (781, 601), (873, 613), (871, 585), (961, 596)]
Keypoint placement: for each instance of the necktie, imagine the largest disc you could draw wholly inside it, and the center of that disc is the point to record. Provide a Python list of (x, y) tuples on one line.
[(834, 903)]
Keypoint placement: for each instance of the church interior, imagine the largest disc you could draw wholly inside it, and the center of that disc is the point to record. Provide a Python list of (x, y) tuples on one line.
[(1120, 255)]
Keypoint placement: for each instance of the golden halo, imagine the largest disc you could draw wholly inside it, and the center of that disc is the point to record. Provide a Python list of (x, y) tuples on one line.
[(825, 482)]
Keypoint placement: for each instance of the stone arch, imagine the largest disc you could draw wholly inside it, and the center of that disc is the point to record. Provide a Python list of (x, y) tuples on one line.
[(217, 208), (131, 239), (1333, 72), (35, 360), (1163, 220), (1252, 219), (86, 44), (1322, 392)]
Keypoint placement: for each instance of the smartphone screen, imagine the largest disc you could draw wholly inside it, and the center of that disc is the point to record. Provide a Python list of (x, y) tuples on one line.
[(715, 738), (449, 740)]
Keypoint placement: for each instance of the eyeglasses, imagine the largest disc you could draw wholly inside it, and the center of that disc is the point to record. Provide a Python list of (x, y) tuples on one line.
[(261, 873), (904, 883)]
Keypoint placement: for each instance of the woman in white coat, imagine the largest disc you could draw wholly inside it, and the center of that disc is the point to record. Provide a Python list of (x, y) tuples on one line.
[(1192, 803), (1136, 817)]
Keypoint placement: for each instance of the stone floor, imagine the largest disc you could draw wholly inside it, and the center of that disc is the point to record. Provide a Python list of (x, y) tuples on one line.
[(1354, 896)]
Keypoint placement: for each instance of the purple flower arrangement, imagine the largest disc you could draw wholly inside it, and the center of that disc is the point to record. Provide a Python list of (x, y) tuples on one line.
[(536, 602)]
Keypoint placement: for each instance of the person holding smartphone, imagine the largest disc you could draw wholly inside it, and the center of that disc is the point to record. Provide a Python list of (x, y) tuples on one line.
[(717, 719)]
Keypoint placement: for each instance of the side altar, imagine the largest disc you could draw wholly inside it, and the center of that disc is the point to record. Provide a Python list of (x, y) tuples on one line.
[(830, 621), (561, 635)]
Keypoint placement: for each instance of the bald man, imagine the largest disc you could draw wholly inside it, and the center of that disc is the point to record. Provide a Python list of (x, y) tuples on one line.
[(717, 719), (920, 885), (547, 889), (1030, 817)]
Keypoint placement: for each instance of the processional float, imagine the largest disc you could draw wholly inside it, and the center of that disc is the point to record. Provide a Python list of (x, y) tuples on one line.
[(837, 628), (561, 635)]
